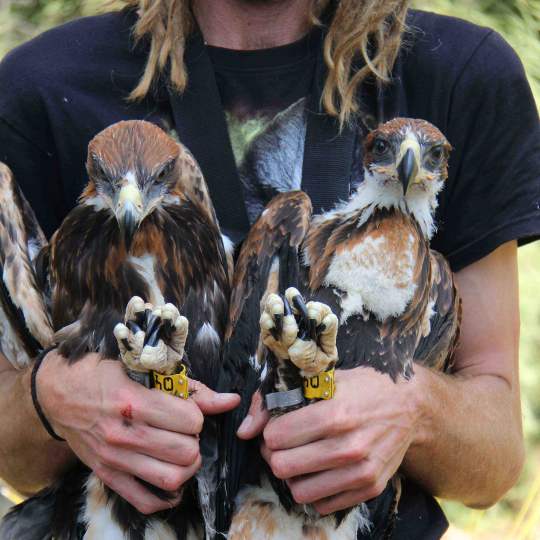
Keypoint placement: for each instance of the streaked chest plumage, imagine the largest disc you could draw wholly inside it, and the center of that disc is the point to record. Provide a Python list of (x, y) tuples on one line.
[(372, 267)]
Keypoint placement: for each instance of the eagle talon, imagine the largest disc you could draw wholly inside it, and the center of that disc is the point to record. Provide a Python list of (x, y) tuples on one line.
[(287, 306), (133, 327), (294, 297), (130, 344), (166, 330), (153, 326), (304, 333), (135, 310), (174, 331), (151, 338), (278, 325), (313, 329)]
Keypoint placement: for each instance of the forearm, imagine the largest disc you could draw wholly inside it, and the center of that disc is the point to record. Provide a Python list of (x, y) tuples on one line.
[(468, 445), (29, 458)]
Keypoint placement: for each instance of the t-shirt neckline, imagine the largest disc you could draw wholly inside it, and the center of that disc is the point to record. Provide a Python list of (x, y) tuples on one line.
[(273, 57)]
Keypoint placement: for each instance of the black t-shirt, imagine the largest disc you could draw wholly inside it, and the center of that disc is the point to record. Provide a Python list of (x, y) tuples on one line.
[(264, 93), (60, 89)]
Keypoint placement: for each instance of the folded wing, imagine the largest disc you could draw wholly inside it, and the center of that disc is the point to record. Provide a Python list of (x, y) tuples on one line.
[(268, 261), (25, 323)]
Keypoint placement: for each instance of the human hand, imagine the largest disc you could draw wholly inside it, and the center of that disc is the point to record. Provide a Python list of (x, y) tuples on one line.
[(338, 453), (122, 430)]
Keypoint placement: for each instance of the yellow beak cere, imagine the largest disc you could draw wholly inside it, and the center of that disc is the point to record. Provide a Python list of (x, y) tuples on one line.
[(130, 194), (408, 162)]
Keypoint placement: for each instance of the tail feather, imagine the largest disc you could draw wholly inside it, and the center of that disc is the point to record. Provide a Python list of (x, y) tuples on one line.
[(30, 520)]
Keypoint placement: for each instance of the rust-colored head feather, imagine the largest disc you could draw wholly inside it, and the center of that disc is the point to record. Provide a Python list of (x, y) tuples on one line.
[(132, 145)]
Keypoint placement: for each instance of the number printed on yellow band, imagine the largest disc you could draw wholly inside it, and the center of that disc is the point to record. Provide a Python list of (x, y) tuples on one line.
[(320, 386), (177, 384)]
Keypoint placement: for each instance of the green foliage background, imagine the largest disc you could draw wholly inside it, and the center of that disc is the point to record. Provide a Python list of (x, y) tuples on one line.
[(519, 22)]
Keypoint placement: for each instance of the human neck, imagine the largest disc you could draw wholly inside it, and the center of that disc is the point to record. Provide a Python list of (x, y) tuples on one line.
[(252, 24)]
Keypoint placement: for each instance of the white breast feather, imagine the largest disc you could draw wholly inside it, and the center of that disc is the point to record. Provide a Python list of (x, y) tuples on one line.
[(101, 525), (422, 206), (289, 525), (369, 282), (97, 513), (158, 530), (145, 266), (208, 334)]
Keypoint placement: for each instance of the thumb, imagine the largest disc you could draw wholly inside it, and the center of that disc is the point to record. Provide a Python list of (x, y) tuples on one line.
[(211, 402), (257, 417)]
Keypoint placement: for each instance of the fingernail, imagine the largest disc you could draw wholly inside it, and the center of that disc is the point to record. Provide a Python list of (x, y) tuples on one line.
[(244, 426), (225, 396)]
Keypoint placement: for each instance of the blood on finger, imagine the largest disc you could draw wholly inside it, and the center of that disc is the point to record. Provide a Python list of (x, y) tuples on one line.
[(127, 412), (127, 415)]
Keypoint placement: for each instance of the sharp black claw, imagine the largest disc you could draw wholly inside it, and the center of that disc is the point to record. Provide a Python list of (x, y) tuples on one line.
[(278, 324), (153, 328), (304, 323), (133, 327), (147, 317), (287, 307), (278, 321), (140, 317), (313, 329), (274, 333), (300, 305), (167, 329)]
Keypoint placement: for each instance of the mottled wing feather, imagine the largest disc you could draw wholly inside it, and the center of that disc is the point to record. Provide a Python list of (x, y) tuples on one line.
[(26, 326), (436, 350), (193, 184), (285, 221), (273, 241), (196, 278)]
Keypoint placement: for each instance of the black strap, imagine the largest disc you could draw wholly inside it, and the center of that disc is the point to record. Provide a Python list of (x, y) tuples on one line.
[(201, 126), (35, 401)]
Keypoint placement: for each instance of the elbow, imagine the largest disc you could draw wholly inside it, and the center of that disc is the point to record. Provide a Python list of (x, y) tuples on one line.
[(502, 481)]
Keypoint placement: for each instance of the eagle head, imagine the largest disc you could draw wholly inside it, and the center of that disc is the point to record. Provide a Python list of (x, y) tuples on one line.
[(133, 167), (405, 167)]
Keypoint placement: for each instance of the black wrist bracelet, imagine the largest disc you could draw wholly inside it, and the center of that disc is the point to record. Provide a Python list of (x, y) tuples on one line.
[(35, 401)]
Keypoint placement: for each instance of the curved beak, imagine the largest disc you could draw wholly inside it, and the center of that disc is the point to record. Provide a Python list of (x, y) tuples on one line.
[(407, 168), (129, 211)]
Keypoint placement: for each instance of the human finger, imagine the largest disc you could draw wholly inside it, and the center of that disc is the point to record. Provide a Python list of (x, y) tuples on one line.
[(255, 420), (347, 499), (134, 492), (308, 424), (163, 475), (210, 402), (321, 455), (172, 447), (137, 404)]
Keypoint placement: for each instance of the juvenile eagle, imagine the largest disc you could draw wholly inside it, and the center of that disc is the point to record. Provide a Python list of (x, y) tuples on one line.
[(142, 245), (378, 297)]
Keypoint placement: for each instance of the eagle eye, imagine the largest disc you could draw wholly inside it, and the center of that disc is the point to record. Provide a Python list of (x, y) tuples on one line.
[(436, 153), (166, 169), (380, 146), (98, 168)]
